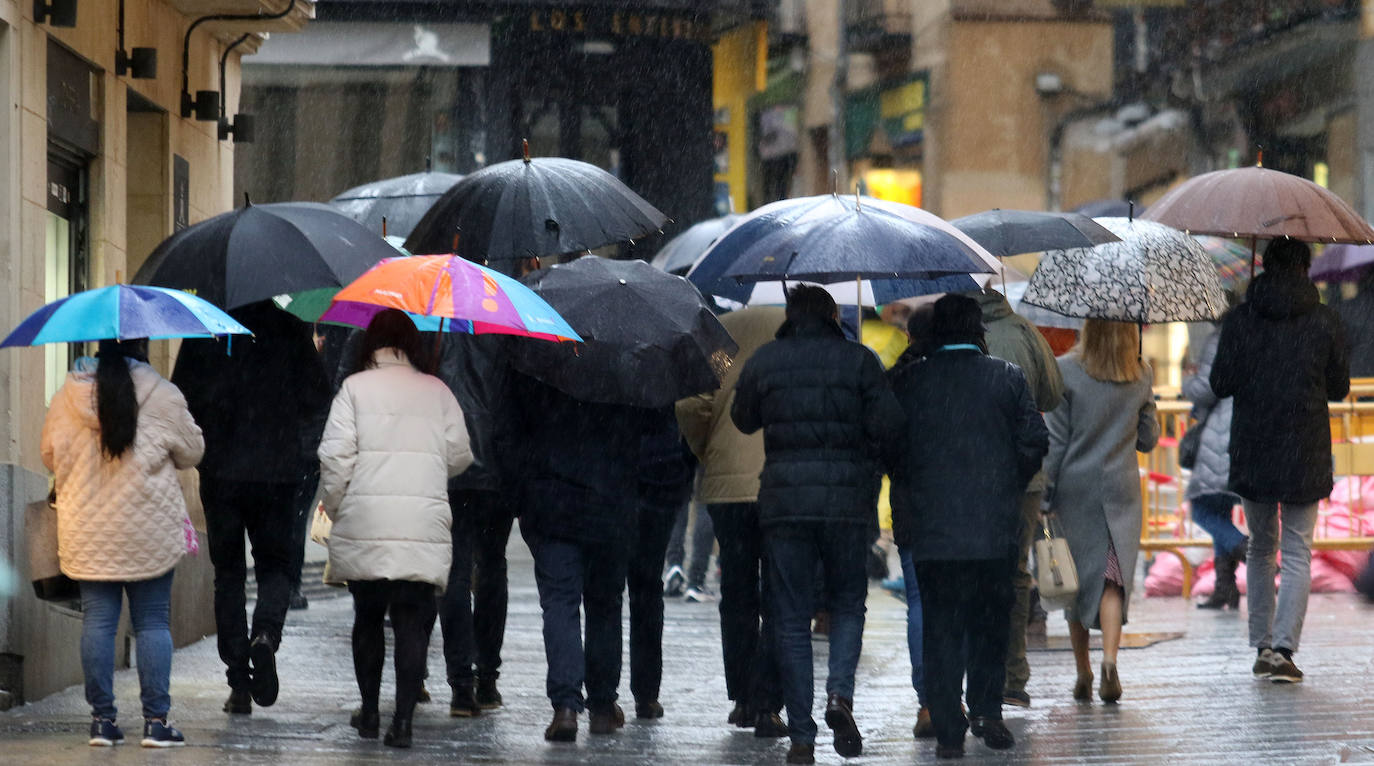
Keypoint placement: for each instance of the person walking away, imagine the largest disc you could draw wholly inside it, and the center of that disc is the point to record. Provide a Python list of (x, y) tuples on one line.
[(1281, 356), (826, 412), (1107, 415), (577, 514), (1012, 338), (666, 470), (472, 612), (973, 439), (394, 437), (114, 436), (1357, 320), (1209, 499), (729, 488), (261, 403)]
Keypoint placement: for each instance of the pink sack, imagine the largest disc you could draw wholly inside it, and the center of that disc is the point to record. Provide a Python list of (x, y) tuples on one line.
[(192, 539)]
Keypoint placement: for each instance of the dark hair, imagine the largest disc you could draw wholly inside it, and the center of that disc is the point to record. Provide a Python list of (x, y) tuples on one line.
[(957, 319), (812, 301), (919, 329), (116, 404), (390, 328), (1287, 255)]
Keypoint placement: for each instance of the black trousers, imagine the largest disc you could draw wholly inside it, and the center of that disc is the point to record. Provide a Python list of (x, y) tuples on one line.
[(746, 629), (264, 512), (966, 608), (644, 578), (411, 605), (472, 611)]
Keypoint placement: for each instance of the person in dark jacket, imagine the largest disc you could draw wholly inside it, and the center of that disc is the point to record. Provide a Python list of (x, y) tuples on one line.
[(472, 611), (1357, 317), (577, 513), (1282, 356), (972, 441), (261, 402), (826, 413)]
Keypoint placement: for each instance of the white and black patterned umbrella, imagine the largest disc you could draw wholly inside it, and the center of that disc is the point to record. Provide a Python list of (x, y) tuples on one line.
[(1154, 274)]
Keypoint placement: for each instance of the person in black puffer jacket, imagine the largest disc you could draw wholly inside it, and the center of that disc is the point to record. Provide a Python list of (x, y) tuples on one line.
[(1281, 355), (826, 414)]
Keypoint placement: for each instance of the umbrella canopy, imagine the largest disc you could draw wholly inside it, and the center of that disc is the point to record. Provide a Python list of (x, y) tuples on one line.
[(1154, 274), (477, 299), (1012, 232), (533, 207), (1342, 263), (798, 225), (682, 251), (402, 200), (261, 251), (1107, 208), (1259, 203), (123, 312), (1036, 315), (651, 338), (1232, 260)]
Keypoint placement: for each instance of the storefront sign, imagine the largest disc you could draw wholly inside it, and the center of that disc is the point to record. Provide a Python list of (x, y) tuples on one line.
[(72, 104), (898, 107), (603, 23)]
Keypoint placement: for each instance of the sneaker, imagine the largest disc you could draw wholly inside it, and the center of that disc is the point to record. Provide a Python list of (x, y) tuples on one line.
[(675, 582), (264, 684), (1285, 672), (699, 595), (104, 733), (1018, 699), (1265, 663), (159, 733)]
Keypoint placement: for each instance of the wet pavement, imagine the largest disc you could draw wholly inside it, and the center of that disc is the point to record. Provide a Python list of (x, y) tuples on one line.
[(1189, 698)]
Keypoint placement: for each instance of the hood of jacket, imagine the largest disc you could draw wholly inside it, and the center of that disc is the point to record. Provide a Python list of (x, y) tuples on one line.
[(993, 304), (82, 378), (1276, 295), (810, 327)]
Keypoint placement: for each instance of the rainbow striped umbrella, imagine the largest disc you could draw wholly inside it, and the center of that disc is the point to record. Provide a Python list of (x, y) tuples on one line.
[(123, 312), (1231, 258)]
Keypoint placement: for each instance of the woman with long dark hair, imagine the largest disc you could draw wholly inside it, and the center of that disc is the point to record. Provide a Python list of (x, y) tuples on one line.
[(115, 435), (394, 437)]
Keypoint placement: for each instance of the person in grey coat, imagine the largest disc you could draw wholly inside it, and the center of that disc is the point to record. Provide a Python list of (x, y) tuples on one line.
[(1210, 500), (1107, 415)]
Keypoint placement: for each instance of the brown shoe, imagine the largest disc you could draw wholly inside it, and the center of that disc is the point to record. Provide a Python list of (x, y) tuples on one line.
[(839, 716), (564, 726), (769, 726), (648, 709), (1083, 688), (799, 753), (1110, 690), (923, 729), (606, 721)]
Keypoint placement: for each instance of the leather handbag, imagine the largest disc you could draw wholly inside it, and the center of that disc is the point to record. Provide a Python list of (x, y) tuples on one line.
[(1055, 573), (45, 571)]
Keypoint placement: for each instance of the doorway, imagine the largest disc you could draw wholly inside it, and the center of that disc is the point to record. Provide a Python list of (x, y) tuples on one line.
[(66, 259)]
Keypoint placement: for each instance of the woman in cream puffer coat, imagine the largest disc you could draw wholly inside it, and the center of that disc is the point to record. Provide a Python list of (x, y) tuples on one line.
[(394, 437)]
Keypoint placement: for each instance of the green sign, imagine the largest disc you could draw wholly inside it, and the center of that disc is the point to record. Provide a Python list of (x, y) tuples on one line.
[(897, 106)]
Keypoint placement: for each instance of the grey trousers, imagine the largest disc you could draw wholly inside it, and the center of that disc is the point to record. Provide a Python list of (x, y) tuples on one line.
[(1018, 669), (1282, 627)]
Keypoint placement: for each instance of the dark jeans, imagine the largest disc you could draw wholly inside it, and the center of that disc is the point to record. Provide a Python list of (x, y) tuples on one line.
[(915, 627), (966, 609), (412, 613), (701, 544), (1212, 511), (746, 630), (644, 578), (591, 576), (472, 611), (264, 511), (792, 551), (304, 506)]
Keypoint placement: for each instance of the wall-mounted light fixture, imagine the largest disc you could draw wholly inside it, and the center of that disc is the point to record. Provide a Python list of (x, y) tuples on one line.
[(189, 105), (204, 105), (241, 129), (139, 63), (58, 13)]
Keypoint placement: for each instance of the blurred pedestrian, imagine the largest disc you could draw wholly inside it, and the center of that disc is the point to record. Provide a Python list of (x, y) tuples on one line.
[(1107, 415), (1012, 338), (826, 413), (729, 489), (261, 402), (394, 437), (1209, 499), (1357, 319), (1282, 355), (973, 439), (114, 437)]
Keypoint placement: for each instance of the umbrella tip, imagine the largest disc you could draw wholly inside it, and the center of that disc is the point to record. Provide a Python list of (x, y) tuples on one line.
[(1130, 212), (525, 145), (622, 281), (429, 163), (1259, 158), (247, 202), (835, 182)]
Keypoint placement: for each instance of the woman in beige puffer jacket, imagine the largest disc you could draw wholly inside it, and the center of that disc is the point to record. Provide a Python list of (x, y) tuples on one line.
[(115, 434), (394, 437)]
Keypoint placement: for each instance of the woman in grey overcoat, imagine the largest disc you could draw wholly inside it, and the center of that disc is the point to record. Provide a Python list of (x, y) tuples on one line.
[(1107, 415)]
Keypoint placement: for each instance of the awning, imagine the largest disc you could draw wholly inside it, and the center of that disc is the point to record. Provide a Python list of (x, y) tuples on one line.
[(416, 44)]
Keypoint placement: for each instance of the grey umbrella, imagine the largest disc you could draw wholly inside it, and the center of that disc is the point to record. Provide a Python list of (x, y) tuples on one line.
[(680, 252), (403, 200), (1012, 232)]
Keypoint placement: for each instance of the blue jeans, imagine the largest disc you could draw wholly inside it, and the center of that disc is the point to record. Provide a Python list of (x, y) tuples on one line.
[(792, 551), (913, 626), (150, 606), (1212, 512)]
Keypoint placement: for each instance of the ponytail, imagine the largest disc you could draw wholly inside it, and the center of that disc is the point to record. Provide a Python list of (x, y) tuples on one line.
[(116, 402)]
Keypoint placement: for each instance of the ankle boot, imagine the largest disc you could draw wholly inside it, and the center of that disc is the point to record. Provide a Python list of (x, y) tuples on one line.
[(1225, 594), (399, 735)]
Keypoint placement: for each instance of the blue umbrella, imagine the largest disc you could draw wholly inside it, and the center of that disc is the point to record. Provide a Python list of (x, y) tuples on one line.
[(123, 312)]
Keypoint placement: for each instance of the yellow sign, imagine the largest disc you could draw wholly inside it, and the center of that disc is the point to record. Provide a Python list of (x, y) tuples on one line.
[(618, 24)]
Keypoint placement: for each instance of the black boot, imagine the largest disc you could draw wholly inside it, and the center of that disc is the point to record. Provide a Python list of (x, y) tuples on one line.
[(367, 721), (399, 733), (1225, 594)]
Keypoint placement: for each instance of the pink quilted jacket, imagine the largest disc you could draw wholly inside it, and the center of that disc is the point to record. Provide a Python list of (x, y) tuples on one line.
[(120, 519)]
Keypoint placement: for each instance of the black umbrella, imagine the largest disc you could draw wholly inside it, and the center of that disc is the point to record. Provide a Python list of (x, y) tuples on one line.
[(402, 201), (261, 251), (650, 337), (1012, 232), (533, 207)]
